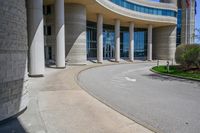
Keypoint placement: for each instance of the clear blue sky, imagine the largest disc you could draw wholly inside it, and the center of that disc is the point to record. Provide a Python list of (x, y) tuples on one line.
[(197, 19)]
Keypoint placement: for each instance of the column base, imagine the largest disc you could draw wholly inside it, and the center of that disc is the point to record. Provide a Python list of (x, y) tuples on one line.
[(76, 64), (36, 76), (131, 60), (61, 67), (100, 62)]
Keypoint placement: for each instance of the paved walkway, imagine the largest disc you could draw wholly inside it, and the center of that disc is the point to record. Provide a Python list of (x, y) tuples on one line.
[(164, 104), (59, 105)]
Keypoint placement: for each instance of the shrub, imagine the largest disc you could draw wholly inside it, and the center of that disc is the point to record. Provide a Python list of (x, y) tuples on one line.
[(179, 54), (188, 56)]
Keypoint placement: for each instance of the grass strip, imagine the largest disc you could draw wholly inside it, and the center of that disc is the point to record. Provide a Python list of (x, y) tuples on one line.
[(178, 72)]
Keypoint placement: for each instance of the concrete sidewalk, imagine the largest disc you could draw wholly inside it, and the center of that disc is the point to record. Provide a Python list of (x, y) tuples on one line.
[(59, 105)]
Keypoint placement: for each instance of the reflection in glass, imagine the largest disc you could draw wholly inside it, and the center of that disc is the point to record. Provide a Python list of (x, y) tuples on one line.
[(179, 24), (91, 40), (124, 42), (140, 41), (108, 42), (144, 9)]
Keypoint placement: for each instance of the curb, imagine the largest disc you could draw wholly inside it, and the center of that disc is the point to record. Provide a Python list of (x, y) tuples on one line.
[(145, 125), (175, 76)]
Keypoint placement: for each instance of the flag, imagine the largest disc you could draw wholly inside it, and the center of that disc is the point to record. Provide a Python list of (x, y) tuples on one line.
[(187, 3), (195, 7)]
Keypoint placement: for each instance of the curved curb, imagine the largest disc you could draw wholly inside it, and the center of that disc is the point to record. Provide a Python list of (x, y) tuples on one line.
[(175, 76), (145, 125), (76, 77)]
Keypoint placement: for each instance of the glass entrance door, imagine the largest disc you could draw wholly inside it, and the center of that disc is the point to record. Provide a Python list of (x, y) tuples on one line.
[(108, 44), (108, 51), (140, 43)]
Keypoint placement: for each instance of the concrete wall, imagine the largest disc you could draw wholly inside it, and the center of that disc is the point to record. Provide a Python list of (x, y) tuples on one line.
[(169, 1), (150, 18), (163, 4), (13, 55), (188, 22), (164, 42), (75, 37)]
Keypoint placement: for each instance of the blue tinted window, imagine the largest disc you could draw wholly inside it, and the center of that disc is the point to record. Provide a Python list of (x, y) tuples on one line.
[(144, 9), (155, 11), (140, 41), (150, 10)]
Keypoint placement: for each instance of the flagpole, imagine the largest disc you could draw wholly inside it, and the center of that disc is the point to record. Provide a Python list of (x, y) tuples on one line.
[(189, 22), (186, 26)]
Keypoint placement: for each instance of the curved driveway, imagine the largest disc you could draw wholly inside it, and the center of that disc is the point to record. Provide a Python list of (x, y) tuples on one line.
[(162, 103)]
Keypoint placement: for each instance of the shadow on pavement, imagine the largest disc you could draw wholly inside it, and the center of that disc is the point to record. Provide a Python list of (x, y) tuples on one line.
[(12, 126), (166, 78), (92, 61)]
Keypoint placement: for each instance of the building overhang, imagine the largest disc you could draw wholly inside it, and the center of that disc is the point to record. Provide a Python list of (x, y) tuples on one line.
[(111, 12)]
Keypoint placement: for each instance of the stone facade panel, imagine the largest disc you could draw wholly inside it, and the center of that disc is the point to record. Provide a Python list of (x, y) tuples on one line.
[(13, 55)]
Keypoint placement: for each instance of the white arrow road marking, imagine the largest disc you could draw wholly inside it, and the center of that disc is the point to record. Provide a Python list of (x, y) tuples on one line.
[(129, 79)]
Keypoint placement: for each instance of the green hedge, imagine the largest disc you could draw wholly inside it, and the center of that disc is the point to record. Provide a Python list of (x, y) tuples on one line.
[(188, 56)]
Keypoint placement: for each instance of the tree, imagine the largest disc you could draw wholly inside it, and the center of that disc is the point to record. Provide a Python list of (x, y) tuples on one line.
[(188, 56), (197, 36)]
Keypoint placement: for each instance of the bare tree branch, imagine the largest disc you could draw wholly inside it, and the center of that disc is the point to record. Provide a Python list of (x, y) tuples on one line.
[(197, 36)]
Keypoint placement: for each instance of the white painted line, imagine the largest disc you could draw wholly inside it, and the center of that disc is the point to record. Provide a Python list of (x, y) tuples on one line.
[(129, 79)]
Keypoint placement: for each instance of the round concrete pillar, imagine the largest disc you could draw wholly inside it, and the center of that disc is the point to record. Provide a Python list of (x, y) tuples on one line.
[(99, 38), (60, 33), (164, 42), (149, 45), (13, 58), (131, 41), (75, 37), (35, 37), (117, 40)]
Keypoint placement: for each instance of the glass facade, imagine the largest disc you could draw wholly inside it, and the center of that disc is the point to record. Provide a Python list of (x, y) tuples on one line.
[(140, 41), (144, 9), (91, 40), (108, 41), (179, 27), (124, 42)]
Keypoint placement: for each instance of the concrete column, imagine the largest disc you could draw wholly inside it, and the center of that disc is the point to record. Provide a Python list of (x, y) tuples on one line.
[(35, 37), (164, 42), (13, 59), (75, 38), (117, 40), (99, 38), (131, 41), (60, 33), (149, 45)]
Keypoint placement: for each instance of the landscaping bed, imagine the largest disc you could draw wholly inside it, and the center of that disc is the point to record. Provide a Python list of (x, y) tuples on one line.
[(178, 71)]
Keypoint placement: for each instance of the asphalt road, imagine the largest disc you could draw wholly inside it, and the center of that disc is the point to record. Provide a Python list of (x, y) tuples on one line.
[(163, 104)]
